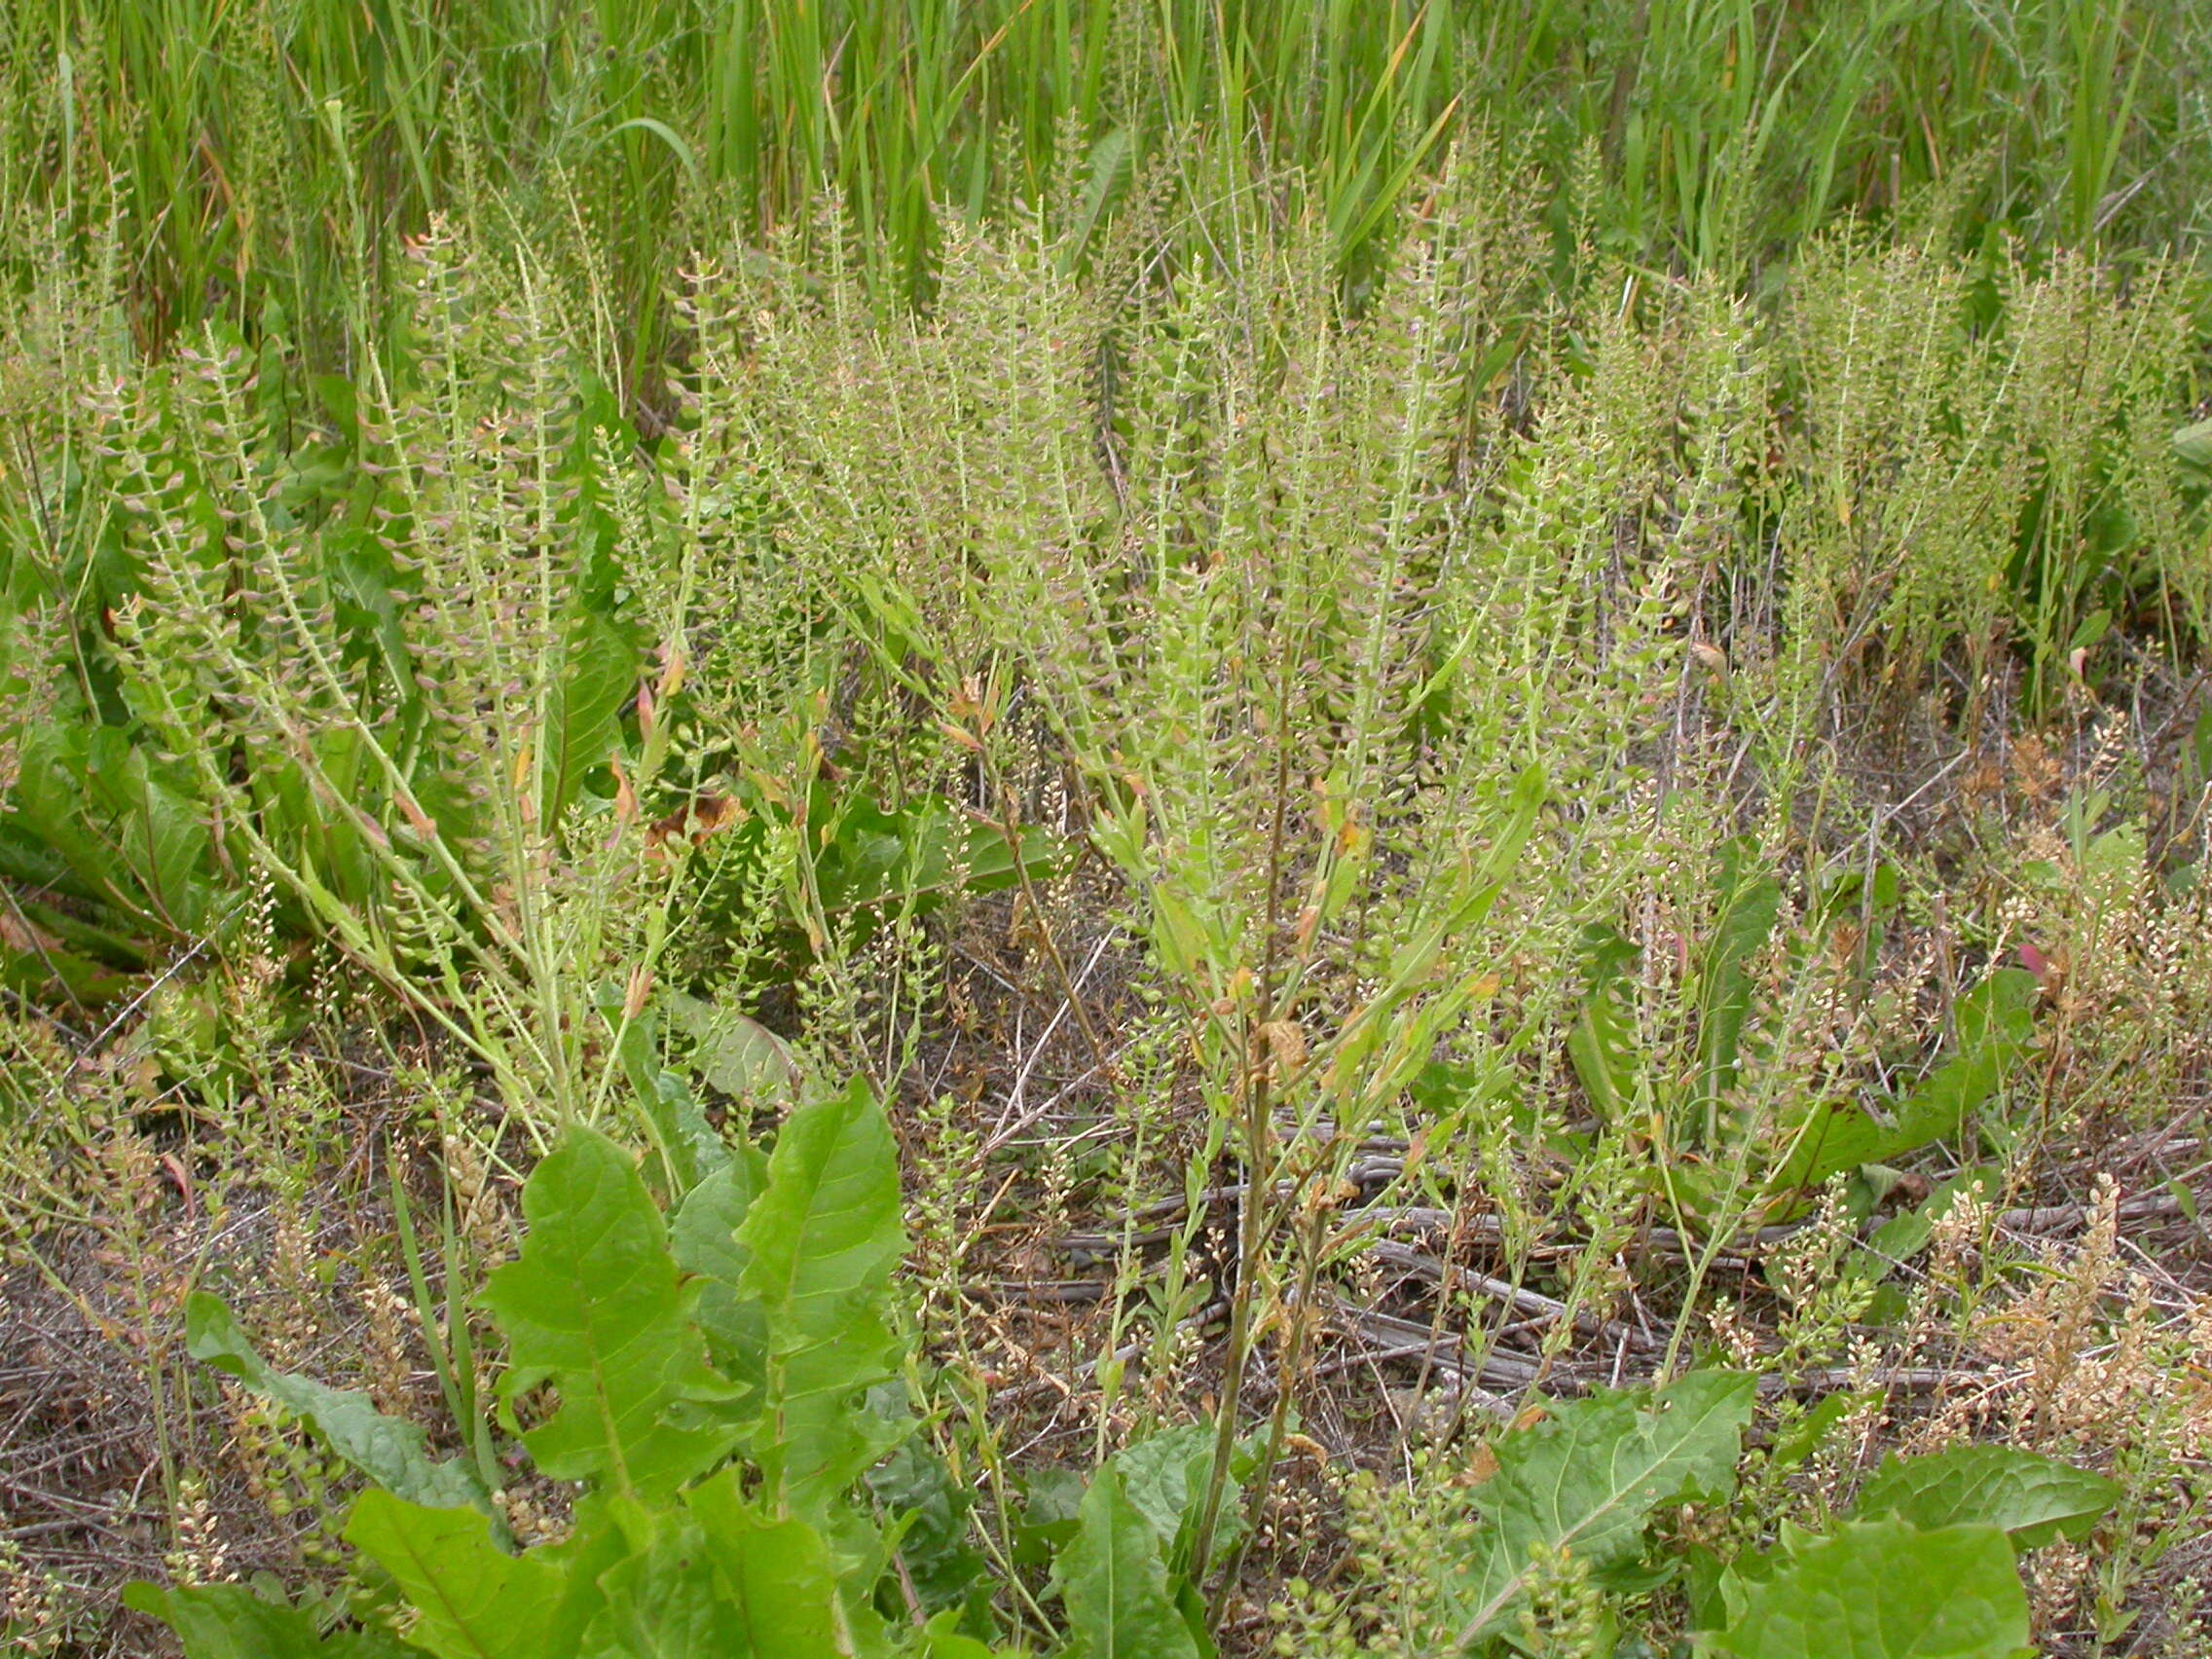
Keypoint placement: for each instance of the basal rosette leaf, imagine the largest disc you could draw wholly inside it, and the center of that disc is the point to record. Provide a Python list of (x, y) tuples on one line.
[(1114, 1579), (1753, 901), (597, 676), (2192, 446), (717, 1583), (1585, 1481), (928, 1511), (596, 1305), (472, 1600), (821, 1243), (2032, 1499), (703, 1237), (775, 1577), (1995, 1020), (1164, 1476), (1886, 1590), (229, 1621), (388, 1450)]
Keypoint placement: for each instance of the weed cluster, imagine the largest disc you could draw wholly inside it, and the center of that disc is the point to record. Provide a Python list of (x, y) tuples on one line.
[(1413, 887)]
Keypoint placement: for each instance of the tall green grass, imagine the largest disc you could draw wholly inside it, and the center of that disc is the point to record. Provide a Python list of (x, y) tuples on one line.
[(237, 154)]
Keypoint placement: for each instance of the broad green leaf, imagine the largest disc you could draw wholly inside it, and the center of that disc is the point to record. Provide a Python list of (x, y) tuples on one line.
[(1724, 969), (1585, 1480), (734, 1053), (89, 797), (1703, 1575), (775, 1575), (1798, 1441), (34, 966), (596, 1543), (664, 1601), (943, 1639), (1052, 1500), (2031, 1498), (1896, 1241), (1108, 161), (926, 849), (596, 1305), (229, 1621), (1837, 1135), (1164, 1479), (687, 1142), (388, 1450), (32, 868), (822, 1239), (1887, 1590), (2192, 446), (158, 829), (1601, 1042), (598, 674), (1160, 1474), (704, 1242), (930, 1509), (473, 1601), (1994, 1020), (1119, 1599), (680, 1128)]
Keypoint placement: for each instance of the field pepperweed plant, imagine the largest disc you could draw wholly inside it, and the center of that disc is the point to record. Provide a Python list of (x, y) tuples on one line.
[(1104, 830)]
